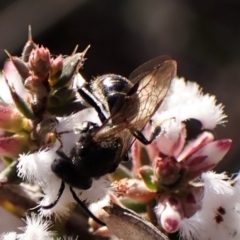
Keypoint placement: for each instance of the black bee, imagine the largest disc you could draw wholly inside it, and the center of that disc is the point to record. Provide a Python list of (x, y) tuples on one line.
[(124, 108)]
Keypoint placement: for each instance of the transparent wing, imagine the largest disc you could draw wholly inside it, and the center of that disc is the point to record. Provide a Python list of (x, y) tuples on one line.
[(148, 66), (153, 87), (128, 140), (151, 83)]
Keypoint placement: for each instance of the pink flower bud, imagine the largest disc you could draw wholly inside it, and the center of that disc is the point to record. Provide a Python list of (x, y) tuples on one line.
[(39, 62), (21, 67), (10, 119), (36, 86), (169, 214), (12, 146), (56, 65), (167, 170)]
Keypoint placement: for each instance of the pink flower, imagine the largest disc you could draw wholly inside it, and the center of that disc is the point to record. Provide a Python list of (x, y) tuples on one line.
[(176, 161), (174, 155)]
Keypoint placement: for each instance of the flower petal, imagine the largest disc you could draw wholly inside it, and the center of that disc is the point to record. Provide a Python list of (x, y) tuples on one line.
[(171, 140), (15, 80), (207, 157), (218, 218), (193, 146), (36, 228), (185, 100)]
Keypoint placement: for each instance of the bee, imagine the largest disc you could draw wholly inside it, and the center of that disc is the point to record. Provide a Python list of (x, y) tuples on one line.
[(124, 107)]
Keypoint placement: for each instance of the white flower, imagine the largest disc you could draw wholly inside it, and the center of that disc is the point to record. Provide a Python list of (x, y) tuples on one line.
[(9, 236), (36, 167), (169, 214), (36, 229), (184, 151), (219, 217), (98, 191), (67, 125), (185, 100)]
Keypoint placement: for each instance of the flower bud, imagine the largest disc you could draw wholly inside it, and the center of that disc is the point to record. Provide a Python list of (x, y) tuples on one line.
[(169, 214), (21, 67), (70, 67), (167, 171), (39, 62), (56, 66), (35, 86), (10, 119), (16, 144)]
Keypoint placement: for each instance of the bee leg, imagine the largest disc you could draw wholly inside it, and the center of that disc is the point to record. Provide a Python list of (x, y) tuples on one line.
[(85, 208), (86, 126), (90, 99), (139, 135), (60, 192)]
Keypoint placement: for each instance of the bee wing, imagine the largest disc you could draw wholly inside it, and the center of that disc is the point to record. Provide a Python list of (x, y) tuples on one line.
[(151, 83), (148, 66), (128, 140), (152, 88)]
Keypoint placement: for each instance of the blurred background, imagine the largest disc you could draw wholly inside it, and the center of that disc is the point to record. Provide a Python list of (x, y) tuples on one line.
[(202, 35)]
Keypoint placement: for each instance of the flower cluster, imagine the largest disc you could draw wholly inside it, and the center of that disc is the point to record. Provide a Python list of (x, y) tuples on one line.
[(36, 228), (173, 174), (35, 90), (171, 181), (40, 110)]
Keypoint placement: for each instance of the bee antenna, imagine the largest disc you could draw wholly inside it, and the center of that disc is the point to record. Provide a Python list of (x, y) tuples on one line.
[(84, 207), (60, 192)]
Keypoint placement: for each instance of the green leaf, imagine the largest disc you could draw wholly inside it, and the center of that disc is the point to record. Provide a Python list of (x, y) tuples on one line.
[(147, 175), (135, 206)]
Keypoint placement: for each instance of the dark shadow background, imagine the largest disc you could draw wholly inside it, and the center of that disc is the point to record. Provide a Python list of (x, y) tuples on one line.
[(202, 35)]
